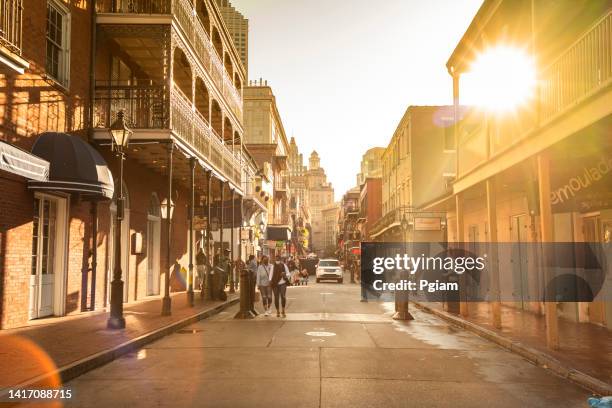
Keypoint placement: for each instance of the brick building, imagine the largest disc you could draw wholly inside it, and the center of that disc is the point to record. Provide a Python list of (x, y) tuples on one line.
[(178, 80)]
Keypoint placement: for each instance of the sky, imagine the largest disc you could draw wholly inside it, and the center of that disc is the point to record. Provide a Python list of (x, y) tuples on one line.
[(344, 71)]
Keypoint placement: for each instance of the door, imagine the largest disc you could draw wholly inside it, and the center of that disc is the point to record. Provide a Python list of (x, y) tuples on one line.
[(153, 241), (593, 233), (44, 257)]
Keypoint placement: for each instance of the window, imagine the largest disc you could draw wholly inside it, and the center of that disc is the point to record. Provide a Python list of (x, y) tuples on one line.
[(58, 36)]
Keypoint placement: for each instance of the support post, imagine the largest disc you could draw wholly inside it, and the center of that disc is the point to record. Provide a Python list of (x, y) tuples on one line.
[(190, 300), (94, 252), (463, 304), (222, 279), (493, 253), (207, 279), (233, 264), (116, 319), (167, 301), (550, 306)]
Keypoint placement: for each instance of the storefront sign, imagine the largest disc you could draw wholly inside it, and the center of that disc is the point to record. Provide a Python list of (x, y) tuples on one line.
[(586, 189)]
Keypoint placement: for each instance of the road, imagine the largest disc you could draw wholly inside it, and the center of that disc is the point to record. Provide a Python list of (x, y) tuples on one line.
[(330, 351)]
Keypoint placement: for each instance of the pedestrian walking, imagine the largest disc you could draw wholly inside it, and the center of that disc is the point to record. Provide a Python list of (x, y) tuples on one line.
[(201, 262), (252, 268), (279, 278), (263, 283)]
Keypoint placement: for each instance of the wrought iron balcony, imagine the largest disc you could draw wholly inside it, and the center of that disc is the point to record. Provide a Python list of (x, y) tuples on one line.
[(153, 107), (10, 24), (182, 11)]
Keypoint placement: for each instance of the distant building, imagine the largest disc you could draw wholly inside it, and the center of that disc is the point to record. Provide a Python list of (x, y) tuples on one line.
[(298, 205), (320, 195), (329, 216), (418, 168), (265, 138), (370, 206), (371, 164), (238, 27), (348, 217)]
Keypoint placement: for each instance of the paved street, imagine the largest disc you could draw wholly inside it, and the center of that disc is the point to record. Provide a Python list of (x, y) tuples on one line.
[(330, 351)]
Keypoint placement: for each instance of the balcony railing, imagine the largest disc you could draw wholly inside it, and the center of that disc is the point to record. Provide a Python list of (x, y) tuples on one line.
[(577, 73), (144, 105), (146, 108), (10, 24), (582, 70), (134, 7)]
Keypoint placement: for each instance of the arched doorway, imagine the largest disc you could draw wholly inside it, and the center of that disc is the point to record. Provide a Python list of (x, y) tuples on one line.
[(153, 245), (125, 242), (181, 73)]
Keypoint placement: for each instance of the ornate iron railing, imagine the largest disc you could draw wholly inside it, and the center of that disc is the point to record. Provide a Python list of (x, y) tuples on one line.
[(134, 7), (148, 107), (189, 22), (144, 105), (10, 24)]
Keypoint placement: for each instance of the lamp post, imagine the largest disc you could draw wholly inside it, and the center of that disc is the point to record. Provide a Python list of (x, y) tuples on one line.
[(120, 134), (167, 211), (401, 305)]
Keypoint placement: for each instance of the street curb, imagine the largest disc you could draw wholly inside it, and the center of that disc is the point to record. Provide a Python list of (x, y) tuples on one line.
[(534, 356), (80, 367)]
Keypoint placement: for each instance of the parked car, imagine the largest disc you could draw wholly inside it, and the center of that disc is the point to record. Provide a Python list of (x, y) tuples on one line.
[(329, 268)]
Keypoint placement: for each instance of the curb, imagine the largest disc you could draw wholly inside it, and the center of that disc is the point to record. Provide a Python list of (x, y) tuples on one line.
[(534, 356), (80, 367)]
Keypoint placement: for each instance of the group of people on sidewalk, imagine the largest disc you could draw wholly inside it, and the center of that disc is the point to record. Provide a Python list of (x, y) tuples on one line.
[(273, 279)]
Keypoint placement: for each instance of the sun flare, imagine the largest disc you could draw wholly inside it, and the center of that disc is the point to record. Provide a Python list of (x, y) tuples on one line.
[(500, 79)]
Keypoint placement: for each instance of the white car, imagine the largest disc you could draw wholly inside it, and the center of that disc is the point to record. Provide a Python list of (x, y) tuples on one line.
[(329, 269)]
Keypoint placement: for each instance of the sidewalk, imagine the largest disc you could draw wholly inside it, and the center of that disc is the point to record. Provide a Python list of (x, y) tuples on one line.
[(75, 345), (584, 347)]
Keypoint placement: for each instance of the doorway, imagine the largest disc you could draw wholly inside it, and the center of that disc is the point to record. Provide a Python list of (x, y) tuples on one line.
[(153, 245), (593, 232), (47, 289)]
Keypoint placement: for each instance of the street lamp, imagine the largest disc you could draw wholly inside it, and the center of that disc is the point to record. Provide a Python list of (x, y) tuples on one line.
[(164, 208), (262, 227), (167, 211), (120, 135)]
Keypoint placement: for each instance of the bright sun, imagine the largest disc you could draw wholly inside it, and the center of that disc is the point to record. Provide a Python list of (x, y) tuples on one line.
[(500, 79)]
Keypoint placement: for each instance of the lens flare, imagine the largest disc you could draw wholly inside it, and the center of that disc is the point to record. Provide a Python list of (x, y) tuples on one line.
[(501, 78)]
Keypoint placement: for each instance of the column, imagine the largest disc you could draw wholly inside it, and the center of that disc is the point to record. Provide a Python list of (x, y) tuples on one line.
[(493, 253), (166, 301), (550, 307), (463, 305), (192, 163)]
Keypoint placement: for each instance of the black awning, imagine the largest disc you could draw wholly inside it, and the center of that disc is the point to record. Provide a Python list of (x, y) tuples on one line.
[(76, 167), (278, 233), (17, 161)]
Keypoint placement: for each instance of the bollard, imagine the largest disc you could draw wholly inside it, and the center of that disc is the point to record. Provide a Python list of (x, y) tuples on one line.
[(245, 302)]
